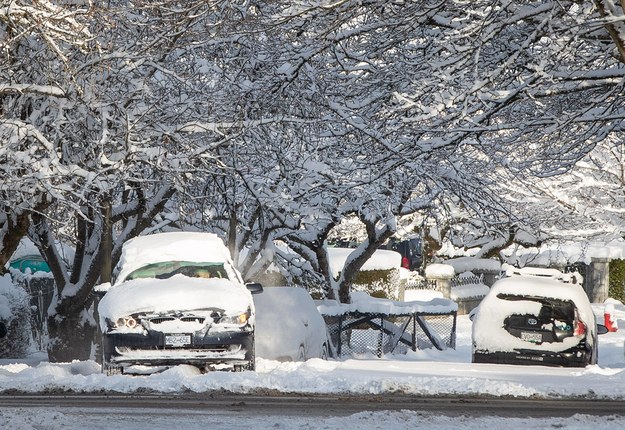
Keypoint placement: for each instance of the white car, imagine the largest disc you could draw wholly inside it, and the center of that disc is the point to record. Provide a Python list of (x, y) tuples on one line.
[(538, 317), (288, 325), (177, 299)]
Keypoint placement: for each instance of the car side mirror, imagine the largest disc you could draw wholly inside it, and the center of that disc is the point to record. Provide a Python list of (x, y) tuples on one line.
[(3, 329), (254, 287), (101, 289), (601, 329)]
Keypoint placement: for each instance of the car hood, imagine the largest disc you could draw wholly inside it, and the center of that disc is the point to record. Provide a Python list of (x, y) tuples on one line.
[(175, 294)]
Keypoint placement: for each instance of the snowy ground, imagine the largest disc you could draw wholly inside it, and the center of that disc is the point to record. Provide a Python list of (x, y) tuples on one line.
[(422, 373)]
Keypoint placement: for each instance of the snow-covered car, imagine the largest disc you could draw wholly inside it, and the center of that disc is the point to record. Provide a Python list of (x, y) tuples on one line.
[(537, 317), (288, 325), (177, 299)]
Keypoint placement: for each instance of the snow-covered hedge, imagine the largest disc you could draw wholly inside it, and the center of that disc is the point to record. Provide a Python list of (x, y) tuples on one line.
[(15, 312), (378, 283)]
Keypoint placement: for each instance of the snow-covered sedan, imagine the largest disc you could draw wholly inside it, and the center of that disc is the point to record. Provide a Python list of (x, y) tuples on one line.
[(288, 325), (177, 299), (536, 316)]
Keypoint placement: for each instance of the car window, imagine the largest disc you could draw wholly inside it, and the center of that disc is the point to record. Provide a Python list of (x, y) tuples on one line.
[(556, 319), (167, 269)]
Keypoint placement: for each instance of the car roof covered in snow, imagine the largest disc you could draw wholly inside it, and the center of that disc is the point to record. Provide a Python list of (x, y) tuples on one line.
[(171, 246)]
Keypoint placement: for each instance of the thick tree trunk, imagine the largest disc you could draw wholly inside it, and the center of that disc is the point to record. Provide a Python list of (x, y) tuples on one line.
[(71, 338)]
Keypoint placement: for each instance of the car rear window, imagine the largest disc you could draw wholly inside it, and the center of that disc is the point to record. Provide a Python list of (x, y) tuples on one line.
[(554, 321)]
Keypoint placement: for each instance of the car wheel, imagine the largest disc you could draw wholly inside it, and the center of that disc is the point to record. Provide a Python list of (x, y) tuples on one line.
[(251, 364), (324, 351), (301, 355), (110, 369)]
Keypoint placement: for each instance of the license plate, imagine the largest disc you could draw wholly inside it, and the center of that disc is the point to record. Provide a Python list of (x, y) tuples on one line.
[(531, 337), (177, 339)]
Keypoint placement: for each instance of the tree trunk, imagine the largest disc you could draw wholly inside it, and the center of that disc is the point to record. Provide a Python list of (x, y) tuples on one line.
[(71, 337)]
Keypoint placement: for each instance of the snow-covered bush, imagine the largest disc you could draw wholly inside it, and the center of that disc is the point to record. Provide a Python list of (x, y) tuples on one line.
[(378, 283), (15, 313)]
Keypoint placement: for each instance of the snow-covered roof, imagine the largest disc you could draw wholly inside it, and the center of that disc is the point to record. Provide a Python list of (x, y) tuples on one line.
[(470, 264), (172, 246), (439, 271), (561, 254), (382, 259)]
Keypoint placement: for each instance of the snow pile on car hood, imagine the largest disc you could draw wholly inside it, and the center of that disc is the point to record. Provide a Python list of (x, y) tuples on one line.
[(178, 293)]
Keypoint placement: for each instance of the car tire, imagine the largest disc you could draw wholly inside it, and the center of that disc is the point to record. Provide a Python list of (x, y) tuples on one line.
[(110, 369), (301, 354), (251, 364)]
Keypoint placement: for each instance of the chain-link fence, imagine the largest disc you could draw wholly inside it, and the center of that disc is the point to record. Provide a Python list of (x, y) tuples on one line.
[(356, 333)]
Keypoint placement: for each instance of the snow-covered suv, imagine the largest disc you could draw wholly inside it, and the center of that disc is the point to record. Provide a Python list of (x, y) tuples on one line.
[(536, 316), (177, 299)]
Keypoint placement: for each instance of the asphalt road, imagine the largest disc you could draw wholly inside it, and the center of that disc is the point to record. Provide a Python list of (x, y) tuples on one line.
[(322, 405)]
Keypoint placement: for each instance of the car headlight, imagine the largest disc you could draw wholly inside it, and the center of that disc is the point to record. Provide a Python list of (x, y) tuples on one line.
[(126, 322), (240, 319)]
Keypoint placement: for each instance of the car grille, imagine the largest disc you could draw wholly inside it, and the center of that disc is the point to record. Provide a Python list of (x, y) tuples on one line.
[(160, 320)]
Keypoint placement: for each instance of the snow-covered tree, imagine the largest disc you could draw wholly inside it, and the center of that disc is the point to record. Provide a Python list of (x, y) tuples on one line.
[(276, 120)]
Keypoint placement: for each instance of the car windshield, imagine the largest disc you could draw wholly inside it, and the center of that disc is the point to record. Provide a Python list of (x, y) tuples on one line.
[(167, 269)]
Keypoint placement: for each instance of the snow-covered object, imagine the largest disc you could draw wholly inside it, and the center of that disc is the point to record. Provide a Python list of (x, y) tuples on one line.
[(488, 324), (439, 271), (561, 254), (364, 303), (15, 312), (288, 325), (471, 264), (542, 272), (173, 294), (609, 318), (11, 299), (421, 295), (469, 291), (178, 299), (173, 246), (382, 259)]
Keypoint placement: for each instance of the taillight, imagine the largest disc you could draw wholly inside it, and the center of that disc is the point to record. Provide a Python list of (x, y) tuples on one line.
[(579, 328), (405, 263)]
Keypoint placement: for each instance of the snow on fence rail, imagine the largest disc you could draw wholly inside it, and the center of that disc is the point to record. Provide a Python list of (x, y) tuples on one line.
[(462, 280), (379, 326)]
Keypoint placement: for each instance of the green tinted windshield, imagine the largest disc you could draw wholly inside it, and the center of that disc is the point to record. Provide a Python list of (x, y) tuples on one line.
[(167, 269)]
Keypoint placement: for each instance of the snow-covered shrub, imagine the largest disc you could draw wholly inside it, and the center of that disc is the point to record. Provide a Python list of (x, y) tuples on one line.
[(381, 283), (15, 312)]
